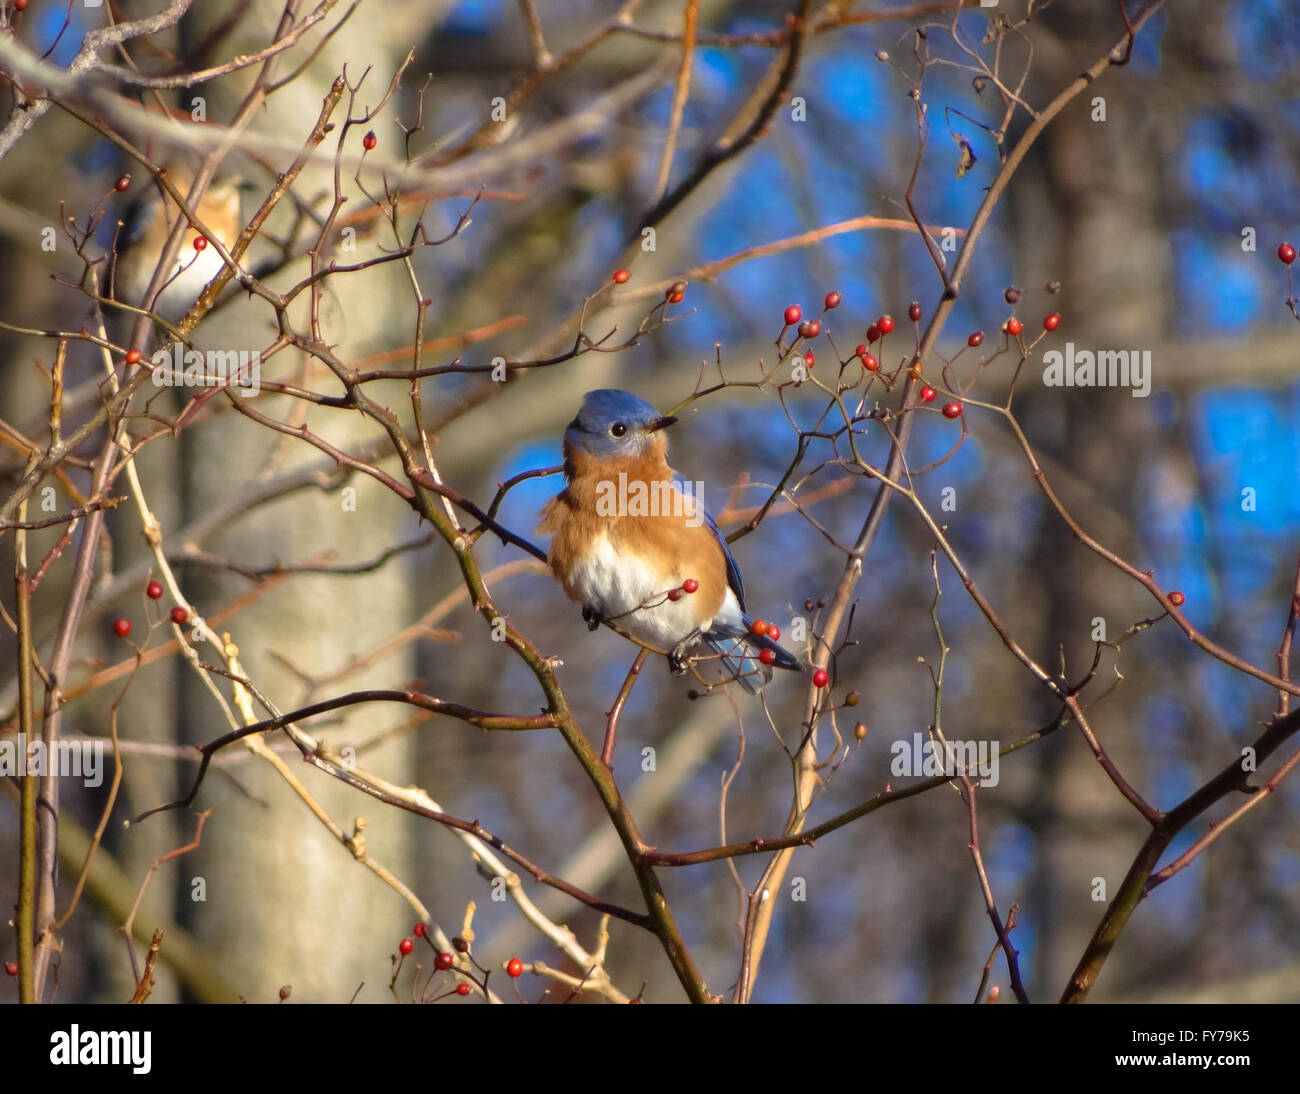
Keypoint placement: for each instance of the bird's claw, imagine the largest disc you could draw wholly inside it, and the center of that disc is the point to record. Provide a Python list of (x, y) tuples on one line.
[(677, 659), (591, 618)]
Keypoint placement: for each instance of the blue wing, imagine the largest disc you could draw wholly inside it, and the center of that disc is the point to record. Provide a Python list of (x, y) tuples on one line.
[(735, 644), (733, 571)]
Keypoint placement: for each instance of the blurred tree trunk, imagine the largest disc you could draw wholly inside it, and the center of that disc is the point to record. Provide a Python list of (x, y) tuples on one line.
[(1087, 212)]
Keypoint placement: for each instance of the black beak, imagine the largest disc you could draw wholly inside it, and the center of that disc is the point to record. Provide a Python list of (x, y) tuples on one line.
[(660, 423)]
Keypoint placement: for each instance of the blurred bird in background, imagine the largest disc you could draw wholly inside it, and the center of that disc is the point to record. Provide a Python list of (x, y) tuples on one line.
[(148, 222), (634, 545)]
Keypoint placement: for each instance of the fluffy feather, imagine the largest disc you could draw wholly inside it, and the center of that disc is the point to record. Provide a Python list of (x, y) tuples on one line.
[(621, 566)]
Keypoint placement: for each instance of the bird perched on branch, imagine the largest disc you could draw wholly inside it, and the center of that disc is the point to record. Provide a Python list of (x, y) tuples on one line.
[(633, 544), (149, 221)]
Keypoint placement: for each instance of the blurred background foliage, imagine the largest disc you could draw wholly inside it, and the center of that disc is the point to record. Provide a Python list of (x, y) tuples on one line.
[(1140, 217)]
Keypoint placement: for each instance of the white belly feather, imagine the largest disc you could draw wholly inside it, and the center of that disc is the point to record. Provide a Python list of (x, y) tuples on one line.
[(617, 585)]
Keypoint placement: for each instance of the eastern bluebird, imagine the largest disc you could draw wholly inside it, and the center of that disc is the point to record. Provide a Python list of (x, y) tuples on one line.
[(629, 532), (147, 224)]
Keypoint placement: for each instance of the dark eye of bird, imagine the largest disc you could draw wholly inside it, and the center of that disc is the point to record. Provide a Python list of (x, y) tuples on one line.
[(617, 429)]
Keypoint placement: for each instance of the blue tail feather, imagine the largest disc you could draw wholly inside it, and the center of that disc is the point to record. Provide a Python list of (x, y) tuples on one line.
[(738, 650)]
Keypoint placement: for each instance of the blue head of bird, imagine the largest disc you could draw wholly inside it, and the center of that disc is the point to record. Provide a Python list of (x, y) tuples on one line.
[(614, 423)]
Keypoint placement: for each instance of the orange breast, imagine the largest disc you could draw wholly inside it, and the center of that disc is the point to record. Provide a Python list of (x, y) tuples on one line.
[(605, 507)]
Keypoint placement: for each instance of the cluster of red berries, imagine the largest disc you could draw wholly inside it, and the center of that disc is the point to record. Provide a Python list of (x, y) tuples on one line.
[(950, 410), (154, 591), (868, 361), (1014, 326), (690, 585), (444, 961), (810, 328), (762, 628)]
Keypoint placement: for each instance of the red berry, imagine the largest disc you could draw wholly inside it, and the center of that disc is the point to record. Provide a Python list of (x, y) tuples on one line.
[(885, 323), (406, 946), (20, 5), (870, 363), (1014, 326), (674, 595), (180, 616), (952, 410), (758, 627), (833, 300), (11, 967), (443, 961), (677, 298), (132, 357), (123, 184), (690, 585), (821, 678), (121, 627), (462, 989), (1286, 253), (419, 930), (514, 967), (914, 311), (767, 656), (873, 332), (809, 358), (153, 590), (369, 141), (621, 277), (976, 339), (793, 314), (860, 350), (200, 243), (773, 631), (927, 394), (810, 328), (1176, 599), (1052, 322)]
